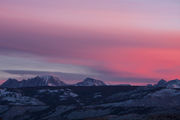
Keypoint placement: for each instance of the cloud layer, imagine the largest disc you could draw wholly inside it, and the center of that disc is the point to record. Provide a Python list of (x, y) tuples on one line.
[(119, 41)]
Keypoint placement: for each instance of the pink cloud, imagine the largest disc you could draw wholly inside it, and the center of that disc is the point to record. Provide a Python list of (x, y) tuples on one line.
[(128, 40)]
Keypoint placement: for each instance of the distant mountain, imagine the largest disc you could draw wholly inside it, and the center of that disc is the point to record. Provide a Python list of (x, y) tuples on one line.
[(39, 81), (90, 82), (161, 83), (173, 84), (34, 82), (11, 83), (170, 84)]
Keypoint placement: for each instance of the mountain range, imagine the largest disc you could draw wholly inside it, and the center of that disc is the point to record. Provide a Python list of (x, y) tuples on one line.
[(48, 81), (29, 100), (90, 103)]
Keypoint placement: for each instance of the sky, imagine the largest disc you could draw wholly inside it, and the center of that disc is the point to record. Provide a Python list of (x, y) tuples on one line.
[(117, 41)]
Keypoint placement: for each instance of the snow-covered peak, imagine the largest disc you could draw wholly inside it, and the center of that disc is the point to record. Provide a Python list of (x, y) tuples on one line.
[(34, 82), (91, 82), (173, 84), (48, 77), (51, 81), (170, 84), (162, 83)]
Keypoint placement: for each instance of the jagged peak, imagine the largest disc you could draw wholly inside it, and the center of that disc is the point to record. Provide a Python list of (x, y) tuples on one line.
[(35, 82), (11, 79)]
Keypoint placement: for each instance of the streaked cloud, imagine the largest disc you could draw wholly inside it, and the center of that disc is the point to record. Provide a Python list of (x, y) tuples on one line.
[(113, 40)]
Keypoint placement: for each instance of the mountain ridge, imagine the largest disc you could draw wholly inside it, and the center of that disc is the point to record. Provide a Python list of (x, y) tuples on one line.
[(48, 80), (168, 84), (34, 82)]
